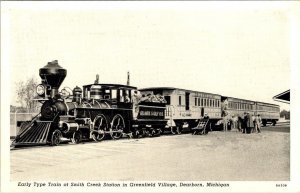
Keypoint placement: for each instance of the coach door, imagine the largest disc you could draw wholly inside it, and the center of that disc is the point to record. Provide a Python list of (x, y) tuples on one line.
[(187, 101), (202, 111)]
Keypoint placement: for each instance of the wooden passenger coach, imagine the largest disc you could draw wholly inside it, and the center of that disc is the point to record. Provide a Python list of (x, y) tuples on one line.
[(186, 107)]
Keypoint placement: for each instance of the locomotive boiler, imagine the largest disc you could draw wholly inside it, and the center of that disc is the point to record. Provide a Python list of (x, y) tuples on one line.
[(93, 112)]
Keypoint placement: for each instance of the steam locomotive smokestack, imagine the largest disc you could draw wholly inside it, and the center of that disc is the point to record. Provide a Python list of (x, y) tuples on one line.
[(53, 75), (128, 79)]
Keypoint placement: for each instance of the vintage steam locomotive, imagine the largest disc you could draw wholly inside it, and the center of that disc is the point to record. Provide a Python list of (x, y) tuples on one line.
[(96, 111)]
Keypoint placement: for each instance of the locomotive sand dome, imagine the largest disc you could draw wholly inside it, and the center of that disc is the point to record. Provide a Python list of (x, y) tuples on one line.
[(77, 92)]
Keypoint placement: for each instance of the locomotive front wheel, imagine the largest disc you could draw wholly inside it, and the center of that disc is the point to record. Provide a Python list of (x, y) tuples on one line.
[(77, 137), (100, 126), (117, 127), (56, 136)]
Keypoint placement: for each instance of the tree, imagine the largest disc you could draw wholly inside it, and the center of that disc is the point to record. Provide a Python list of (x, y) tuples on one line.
[(285, 113), (26, 92)]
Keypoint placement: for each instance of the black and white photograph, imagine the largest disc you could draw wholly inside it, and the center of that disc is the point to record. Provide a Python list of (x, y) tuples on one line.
[(150, 96)]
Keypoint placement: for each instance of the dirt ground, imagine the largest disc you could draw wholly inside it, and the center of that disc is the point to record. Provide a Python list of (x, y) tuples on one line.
[(218, 156)]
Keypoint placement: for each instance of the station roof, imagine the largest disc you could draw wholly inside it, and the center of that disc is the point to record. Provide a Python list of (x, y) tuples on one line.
[(283, 97)]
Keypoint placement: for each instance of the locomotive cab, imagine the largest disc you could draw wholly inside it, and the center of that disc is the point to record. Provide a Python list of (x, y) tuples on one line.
[(114, 94)]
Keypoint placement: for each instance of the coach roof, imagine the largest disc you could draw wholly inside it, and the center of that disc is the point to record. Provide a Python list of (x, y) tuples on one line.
[(173, 88)]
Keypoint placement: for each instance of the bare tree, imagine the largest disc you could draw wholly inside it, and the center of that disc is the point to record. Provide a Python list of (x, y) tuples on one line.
[(26, 91), (285, 113)]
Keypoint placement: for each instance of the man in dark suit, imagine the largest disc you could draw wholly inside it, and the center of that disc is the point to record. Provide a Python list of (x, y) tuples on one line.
[(244, 123), (250, 124)]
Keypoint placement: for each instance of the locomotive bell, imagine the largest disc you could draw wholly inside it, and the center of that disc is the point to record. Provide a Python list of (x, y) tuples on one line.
[(53, 75)]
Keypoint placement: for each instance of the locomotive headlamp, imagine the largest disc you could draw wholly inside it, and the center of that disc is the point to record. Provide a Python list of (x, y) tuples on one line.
[(40, 89)]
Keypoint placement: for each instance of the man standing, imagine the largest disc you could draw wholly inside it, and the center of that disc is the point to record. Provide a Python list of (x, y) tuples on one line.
[(250, 124), (234, 120), (254, 118), (225, 122), (245, 121), (258, 123)]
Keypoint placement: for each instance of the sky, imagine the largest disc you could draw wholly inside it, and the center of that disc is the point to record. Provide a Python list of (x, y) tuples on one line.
[(243, 50)]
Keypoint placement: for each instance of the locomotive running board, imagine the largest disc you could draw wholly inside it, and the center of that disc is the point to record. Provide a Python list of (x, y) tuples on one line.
[(34, 133)]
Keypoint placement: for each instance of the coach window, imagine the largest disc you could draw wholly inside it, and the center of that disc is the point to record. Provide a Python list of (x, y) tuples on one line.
[(198, 101), (121, 96), (114, 94), (195, 101), (204, 104), (201, 102), (218, 103), (106, 94), (179, 100)]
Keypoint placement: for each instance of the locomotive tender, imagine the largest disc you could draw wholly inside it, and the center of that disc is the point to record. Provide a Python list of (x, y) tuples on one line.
[(94, 112)]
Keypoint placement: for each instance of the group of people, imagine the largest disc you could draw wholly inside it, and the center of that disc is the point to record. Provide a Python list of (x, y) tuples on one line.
[(246, 124)]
